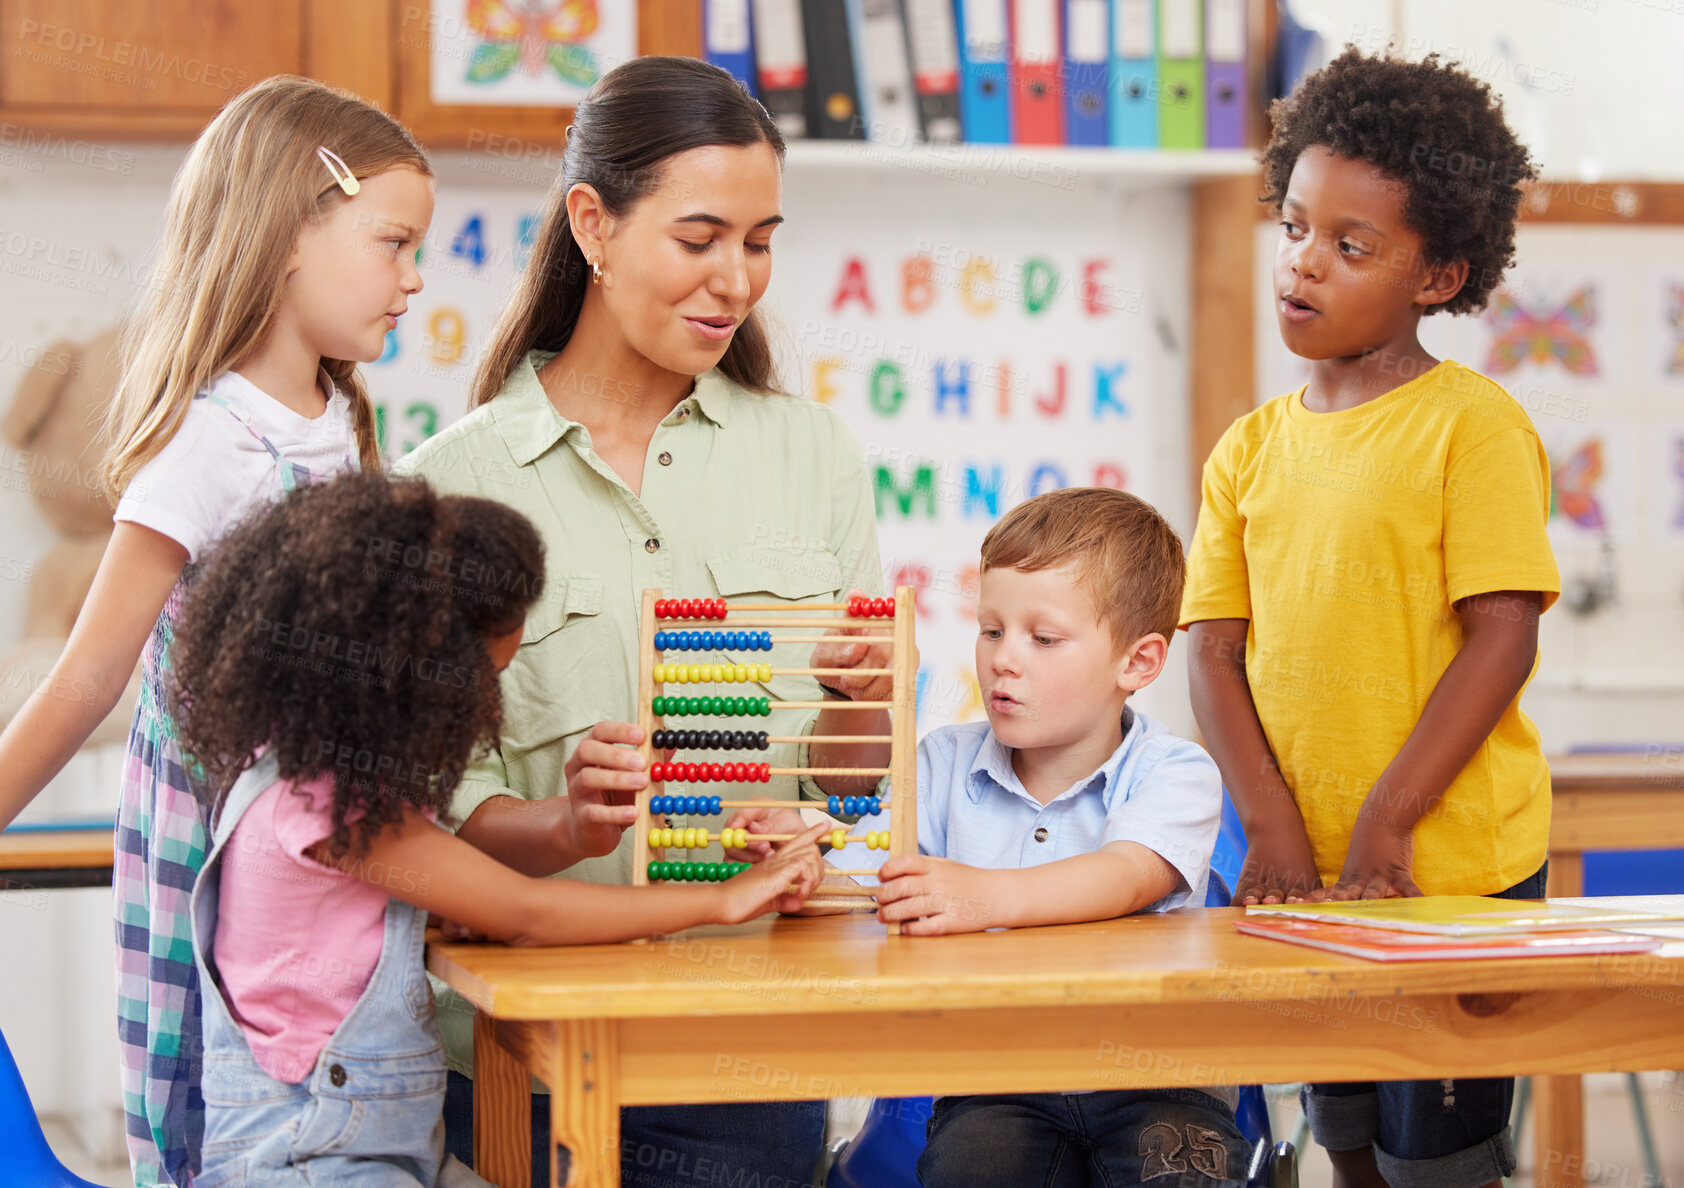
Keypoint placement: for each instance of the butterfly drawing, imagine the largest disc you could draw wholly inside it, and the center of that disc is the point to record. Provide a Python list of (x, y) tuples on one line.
[(1573, 486), (532, 34), (1675, 319), (1521, 336)]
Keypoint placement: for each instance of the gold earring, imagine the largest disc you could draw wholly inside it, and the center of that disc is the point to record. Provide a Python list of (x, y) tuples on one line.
[(596, 272)]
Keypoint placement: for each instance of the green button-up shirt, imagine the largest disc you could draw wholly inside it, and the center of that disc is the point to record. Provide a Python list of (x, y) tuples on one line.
[(744, 496)]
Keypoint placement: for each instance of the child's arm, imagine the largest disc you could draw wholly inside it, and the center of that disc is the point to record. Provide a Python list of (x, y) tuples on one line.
[(541, 837), (422, 864), (1499, 648), (1279, 865), (934, 896), (135, 576)]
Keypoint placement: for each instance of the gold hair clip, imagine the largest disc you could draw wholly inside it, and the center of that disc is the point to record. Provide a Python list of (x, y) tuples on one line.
[(341, 172)]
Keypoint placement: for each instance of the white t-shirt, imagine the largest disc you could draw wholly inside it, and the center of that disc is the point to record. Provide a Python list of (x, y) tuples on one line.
[(217, 468)]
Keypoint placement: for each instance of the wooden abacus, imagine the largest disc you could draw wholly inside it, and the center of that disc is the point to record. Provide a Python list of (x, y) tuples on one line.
[(713, 625)]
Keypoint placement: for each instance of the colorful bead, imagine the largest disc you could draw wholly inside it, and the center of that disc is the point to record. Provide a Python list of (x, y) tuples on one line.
[(876, 804), (838, 838), (835, 806)]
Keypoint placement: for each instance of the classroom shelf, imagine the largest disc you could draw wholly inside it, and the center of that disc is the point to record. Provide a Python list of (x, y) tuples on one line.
[(1156, 165)]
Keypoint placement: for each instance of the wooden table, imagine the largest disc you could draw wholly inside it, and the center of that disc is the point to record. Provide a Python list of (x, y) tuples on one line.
[(1629, 801), (54, 858), (789, 1009)]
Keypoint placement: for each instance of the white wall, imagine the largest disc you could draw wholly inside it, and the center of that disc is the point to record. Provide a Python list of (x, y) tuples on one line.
[(1593, 86)]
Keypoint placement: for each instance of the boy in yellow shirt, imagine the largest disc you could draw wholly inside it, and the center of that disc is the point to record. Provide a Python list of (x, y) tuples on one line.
[(1370, 563)]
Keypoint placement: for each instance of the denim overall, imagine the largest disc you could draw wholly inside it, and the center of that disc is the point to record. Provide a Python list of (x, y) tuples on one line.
[(371, 1112)]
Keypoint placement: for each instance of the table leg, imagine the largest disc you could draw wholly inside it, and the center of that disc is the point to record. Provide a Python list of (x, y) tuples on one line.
[(1558, 1103), (585, 1104), (502, 1110)]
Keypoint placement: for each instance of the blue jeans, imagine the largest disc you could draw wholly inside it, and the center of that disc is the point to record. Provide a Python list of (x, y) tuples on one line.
[(773, 1143), (1425, 1134), (1169, 1138)]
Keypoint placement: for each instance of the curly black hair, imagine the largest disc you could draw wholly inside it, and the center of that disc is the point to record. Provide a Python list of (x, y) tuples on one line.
[(345, 628), (1436, 129)]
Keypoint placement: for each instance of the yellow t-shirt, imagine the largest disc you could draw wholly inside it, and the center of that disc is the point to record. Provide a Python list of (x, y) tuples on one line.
[(1345, 538)]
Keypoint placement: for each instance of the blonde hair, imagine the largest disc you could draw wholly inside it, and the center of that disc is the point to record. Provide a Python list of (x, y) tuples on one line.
[(250, 183), (1127, 556)]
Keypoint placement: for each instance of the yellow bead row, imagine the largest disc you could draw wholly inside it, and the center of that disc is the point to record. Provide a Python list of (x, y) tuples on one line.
[(733, 839), (679, 839), (696, 674), (874, 840)]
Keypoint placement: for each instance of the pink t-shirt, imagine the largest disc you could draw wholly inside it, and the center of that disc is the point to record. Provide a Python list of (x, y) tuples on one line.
[(296, 941)]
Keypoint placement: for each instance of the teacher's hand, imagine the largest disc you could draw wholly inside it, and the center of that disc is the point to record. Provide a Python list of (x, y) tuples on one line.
[(858, 654), (604, 775)]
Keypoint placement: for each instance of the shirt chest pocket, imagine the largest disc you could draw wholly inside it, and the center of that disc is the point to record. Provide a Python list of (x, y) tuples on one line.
[(567, 670), (792, 576)]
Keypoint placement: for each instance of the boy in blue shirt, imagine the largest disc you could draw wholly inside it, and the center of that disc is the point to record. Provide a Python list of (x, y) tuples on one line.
[(1065, 805)]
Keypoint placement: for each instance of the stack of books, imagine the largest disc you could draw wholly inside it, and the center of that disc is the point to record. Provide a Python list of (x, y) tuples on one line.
[(1462, 927)]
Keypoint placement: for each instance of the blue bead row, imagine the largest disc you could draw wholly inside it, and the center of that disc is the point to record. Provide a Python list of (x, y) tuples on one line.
[(705, 641), (688, 806), (855, 806)]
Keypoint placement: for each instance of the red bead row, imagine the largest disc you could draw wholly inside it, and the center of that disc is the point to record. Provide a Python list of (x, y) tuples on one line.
[(689, 608), (691, 773), (871, 608)]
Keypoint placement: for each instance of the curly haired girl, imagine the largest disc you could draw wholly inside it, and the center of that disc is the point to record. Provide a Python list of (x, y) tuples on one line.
[(335, 670)]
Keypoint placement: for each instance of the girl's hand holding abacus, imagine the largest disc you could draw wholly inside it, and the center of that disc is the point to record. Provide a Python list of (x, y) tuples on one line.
[(780, 883), (604, 775)]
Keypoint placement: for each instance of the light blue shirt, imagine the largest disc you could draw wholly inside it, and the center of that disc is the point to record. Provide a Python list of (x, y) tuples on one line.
[(1157, 790)]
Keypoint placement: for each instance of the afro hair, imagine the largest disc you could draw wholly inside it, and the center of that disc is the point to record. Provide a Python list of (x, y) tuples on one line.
[(1435, 129)]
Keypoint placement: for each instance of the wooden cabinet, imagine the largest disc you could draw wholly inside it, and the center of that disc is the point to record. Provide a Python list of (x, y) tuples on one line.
[(159, 69)]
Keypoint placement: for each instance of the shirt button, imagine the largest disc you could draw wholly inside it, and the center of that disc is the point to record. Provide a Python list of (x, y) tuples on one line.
[(684, 413), (651, 545), (1041, 834), (336, 1074), (665, 459)]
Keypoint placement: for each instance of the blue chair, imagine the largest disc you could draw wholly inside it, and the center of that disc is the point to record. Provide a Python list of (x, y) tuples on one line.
[(884, 1154), (26, 1161)]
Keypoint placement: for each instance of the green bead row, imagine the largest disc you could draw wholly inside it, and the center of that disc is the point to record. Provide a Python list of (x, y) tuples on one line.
[(730, 707), (695, 872)]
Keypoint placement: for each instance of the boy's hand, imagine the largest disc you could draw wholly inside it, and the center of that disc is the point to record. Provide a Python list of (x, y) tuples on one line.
[(934, 896), (780, 883), (604, 774), (1279, 868), (1378, 865), (776, 817)]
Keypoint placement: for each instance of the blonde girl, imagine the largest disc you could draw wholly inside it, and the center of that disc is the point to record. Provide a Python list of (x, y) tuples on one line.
[(287, 254)]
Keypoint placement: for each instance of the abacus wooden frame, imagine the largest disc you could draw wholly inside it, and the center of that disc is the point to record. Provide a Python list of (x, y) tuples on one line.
[(903, 736)]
